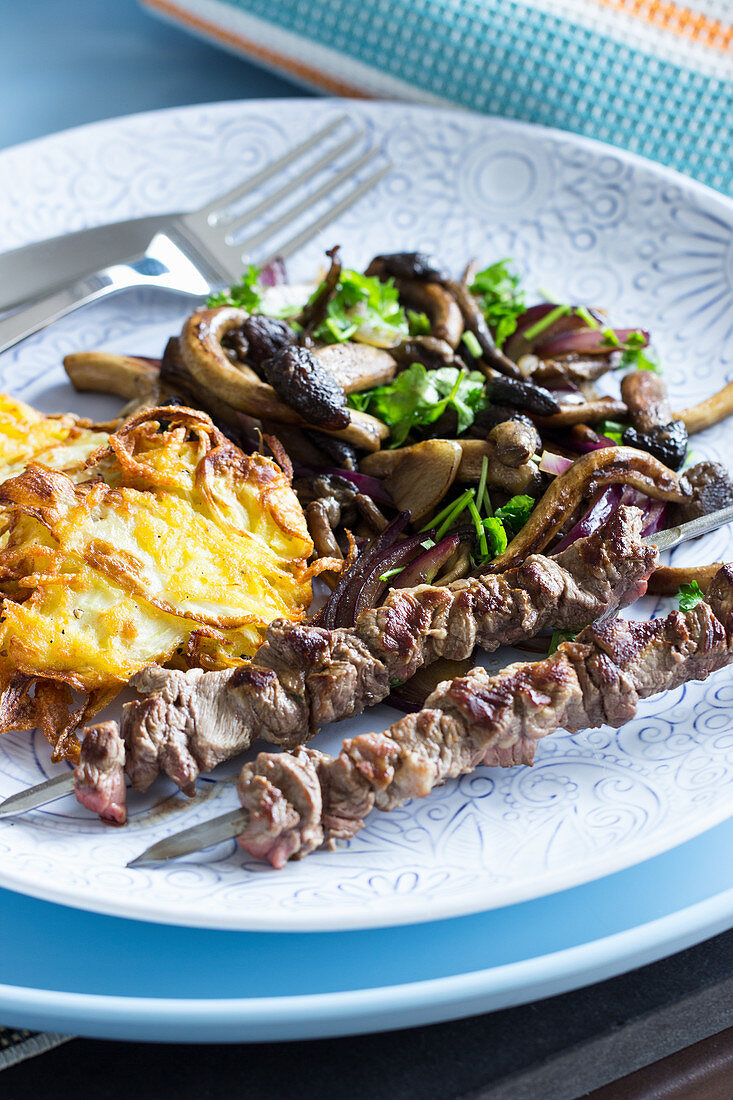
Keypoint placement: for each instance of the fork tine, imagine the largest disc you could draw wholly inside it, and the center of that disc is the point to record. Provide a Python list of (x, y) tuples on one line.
[(253, 212), (289, 247), (219, 204), (305, 204)]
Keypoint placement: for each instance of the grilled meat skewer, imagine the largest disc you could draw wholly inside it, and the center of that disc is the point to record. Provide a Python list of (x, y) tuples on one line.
[(306, 676), (295, 802)]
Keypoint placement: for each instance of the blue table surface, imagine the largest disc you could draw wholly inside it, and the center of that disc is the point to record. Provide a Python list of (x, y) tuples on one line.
[(63, 64)]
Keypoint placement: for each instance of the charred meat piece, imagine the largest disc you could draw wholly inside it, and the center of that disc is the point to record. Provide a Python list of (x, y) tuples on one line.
[(712, 488), (652, 427), (296, 375), (305, 676), (666, 442), (100, 774), (479, 719), (265, 337), (525, 396), (406, 265)]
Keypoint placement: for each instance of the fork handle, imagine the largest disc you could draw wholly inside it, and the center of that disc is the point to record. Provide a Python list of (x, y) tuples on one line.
[(24, 322)]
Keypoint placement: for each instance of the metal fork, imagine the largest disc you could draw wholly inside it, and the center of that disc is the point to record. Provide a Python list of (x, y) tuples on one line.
[(197, 253)]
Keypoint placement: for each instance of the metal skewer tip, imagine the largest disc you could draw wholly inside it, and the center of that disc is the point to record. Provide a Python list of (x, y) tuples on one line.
[(39, 795), (673, 536), (198, 837)]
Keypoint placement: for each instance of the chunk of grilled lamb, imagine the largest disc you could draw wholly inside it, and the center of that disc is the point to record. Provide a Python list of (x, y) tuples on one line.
[(305, 676), (596, 680), (100, 774)]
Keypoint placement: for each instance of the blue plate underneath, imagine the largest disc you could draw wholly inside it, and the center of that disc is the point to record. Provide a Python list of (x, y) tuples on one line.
[(77, 972)]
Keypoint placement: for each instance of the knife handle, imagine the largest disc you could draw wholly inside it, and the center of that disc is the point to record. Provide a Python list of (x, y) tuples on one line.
[(164, 265)]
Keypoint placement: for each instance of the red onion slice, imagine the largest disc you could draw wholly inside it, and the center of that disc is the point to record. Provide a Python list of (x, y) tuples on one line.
[(274, 273), (550, 463), (584, 341), (596, 515)]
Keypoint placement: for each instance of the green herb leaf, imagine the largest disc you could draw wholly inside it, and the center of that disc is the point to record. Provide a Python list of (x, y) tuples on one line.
[(612, 430), (472, 344), (690, 595), (500, 298), (246, 294), (391, 573), (515, 513), (363, 302), (417, 397), (635, 353), (559, 636), (418, 323), (496, 535), (545, 322)]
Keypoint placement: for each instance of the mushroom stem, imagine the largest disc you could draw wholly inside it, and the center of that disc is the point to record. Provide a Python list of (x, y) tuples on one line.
[(715, 408), (666, 580), (123, 375), (596, 470)]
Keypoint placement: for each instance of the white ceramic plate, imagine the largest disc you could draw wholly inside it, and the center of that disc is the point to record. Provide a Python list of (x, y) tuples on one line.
[(587, 223)]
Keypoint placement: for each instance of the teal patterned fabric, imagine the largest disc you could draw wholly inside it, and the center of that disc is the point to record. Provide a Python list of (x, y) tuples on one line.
[(580, 65)]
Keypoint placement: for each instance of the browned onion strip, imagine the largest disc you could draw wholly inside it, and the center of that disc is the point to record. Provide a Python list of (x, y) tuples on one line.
[(596, 470), (240, 388), (709, 412), (666, 580)]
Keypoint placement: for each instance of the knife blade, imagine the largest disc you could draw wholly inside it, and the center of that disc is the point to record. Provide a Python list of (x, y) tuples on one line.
[(36, 269)]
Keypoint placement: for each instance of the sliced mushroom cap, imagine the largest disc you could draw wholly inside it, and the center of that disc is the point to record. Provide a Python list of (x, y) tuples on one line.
[(239, 387), (384, 464), (357, 366), (596, 470), (499, 475), (515, 441), (422, 475)]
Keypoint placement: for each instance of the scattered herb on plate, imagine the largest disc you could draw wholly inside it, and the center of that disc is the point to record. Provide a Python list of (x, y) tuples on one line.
[(246, 294), (500, 297), (363, 307), (690, 595), (418, 397)]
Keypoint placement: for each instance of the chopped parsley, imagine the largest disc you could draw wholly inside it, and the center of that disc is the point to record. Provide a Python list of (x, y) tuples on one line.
[(515, 513), (418, 323), (613, 430), (560, 636), (496, 536), (635, 353), (545, 322), (246, 294), (500, 297), (471, 342), (690, 595), (418, 397), (362, 301)]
